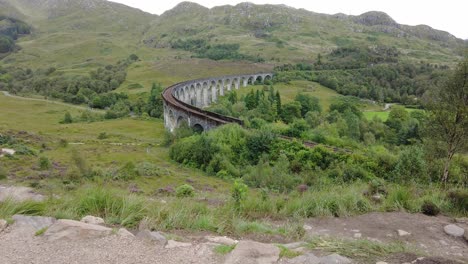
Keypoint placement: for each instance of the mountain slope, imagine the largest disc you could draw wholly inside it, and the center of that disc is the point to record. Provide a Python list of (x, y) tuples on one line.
[(281, 33), (78, 33)]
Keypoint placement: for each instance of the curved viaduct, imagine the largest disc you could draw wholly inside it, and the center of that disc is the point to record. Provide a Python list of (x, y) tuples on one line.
[(185, 101)]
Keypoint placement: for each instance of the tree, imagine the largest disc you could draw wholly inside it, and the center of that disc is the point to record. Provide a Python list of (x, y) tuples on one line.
[(291, 111), (155, 106), (448, 115), (308, 103)]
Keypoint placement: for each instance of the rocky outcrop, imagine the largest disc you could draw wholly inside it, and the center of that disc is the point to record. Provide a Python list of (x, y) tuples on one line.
[(89, 219), (454, 230), (125, 233), (75, 230), (374, 18), (33, 222), (221, 240), (3, 225), (19, 193), (176, 244), (250, 252), (155, 237)]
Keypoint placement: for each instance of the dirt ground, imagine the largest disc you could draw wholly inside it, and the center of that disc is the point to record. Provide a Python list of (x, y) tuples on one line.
[(426, 232)]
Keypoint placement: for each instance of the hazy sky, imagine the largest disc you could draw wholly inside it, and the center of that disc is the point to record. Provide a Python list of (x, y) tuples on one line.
[(447, 15)]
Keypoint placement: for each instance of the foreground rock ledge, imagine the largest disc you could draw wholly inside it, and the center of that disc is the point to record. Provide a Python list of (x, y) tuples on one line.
[(73, 230), (250, 252)]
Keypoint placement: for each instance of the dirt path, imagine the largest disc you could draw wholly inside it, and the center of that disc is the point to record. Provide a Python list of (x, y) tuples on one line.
[(5, 93)]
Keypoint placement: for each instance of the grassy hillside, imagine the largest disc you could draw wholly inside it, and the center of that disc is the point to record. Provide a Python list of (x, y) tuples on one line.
[(280, 33)]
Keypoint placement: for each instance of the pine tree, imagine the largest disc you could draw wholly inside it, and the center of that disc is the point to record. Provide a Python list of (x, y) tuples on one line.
[(278, 103)]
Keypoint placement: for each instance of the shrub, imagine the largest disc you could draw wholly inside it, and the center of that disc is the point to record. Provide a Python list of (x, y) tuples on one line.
[(103, 135), (63, 143), (3, 173), (148, 169), (44, 163), (377, 186), (430, 208), (459, 199), (127, 172), (185, 190), (67, 118), (239, 193)]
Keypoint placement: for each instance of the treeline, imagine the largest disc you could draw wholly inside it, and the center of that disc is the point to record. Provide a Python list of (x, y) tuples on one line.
[(95, 90), (10, 29), (377, 74), (203, 49)]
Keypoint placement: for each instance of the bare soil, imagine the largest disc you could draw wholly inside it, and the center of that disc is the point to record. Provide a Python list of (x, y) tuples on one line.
[(426, 232)]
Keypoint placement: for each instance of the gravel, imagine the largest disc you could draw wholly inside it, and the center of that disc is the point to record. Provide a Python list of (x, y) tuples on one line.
[(19, 246)]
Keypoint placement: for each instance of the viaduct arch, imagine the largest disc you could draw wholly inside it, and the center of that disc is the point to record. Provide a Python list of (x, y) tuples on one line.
[(185, 101)]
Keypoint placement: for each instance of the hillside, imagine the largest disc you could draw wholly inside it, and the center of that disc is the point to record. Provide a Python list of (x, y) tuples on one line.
[(281, 33), (75, 35)]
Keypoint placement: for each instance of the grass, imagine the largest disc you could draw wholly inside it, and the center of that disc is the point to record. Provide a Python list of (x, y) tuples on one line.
[(361, 249), (224, 249), (289, 91), (41, 231), (383, 115), (287, 253)]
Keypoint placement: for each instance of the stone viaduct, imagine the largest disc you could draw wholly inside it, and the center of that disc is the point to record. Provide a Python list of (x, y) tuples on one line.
[(185, 101)]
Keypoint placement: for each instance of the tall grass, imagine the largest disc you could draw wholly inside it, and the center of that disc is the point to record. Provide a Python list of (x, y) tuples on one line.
[(9, 208)]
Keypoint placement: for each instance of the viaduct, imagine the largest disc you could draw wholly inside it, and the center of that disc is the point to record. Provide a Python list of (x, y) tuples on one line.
[(185, 101)]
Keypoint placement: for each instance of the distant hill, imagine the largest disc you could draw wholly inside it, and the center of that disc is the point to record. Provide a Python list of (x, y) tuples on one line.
[(278, 32), (75, 35)]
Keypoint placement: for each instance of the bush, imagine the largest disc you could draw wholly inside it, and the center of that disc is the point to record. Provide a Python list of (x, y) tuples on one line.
[(148, 169), (3, 173), (459, 199), (185, 190), (377, 186), (239, 193), (430, 208), (103, 135), (67, 118), (44, 163), (127, 172)]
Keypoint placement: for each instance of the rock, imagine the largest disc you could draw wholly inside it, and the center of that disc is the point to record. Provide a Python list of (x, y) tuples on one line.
[(156, 237), (462, 220), (221, 240), (250, 252), (454, 230), (357, 235), (307, 227), (376, 198), (89, 219), (125, 233), (73, 230), (381, 262), (403, 233), (294, 245), (3, 224), (334, 259), (19, 193), (308, 258), (33, 222), (176, 244)]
